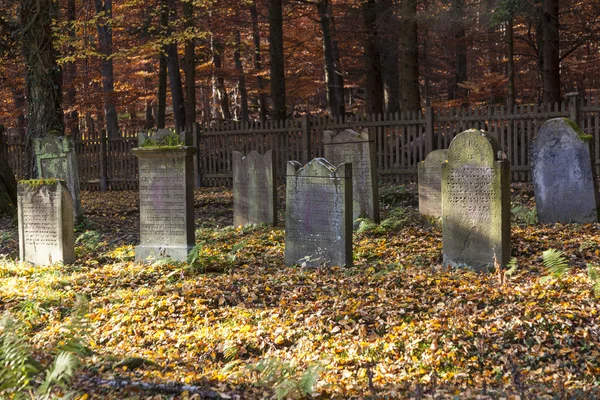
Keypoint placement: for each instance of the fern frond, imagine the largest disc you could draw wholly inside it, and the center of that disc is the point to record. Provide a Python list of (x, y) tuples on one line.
[(594, 275), (512, 265), (555, 263)]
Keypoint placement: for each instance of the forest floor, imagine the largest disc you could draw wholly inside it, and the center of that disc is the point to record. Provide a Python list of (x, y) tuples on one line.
[(236, 323)]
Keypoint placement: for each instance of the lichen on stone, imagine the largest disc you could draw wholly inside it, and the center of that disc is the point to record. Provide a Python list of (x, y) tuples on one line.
[(578, 131)]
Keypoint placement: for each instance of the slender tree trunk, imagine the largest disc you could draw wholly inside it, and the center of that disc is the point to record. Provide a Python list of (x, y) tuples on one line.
[(551, 79), (409, 78), (510, 65), (175, 76), (148, 119), (374, 80), (8, 183), (262, 100), (387, 37), (162, 68), (18, 94), (333, 72), (222, 98), (241, 77), (71, 74), (190, 74), (460, 52), (277, 59), (108, 79)]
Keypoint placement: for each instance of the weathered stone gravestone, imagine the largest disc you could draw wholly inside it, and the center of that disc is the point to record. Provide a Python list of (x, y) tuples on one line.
[(358, 149), (430, 184), (56, 158), (562, 170), (166, 192), (46, 233), (318, 221), (254, 191), (475, 202)]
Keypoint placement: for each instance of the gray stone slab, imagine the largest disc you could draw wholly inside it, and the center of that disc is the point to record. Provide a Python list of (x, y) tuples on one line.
[(318, 221), (254, 190), (563, 177), (56, 158), (46, 232), (358, 149), (475, 202), (430, 184), (166, 203)]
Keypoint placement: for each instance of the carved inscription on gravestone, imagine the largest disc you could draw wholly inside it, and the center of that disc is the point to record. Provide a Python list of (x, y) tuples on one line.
[(318, 229), (430, 183), (358, 149), (166, 203), (476, 202), (254, 191), (45, 211)]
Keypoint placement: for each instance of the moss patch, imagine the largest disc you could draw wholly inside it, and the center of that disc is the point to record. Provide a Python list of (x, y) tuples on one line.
[(36, 183), (577, 129)]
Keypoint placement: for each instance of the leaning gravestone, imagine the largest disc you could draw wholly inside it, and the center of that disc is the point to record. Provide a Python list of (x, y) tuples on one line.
[(318, 221), (430, 184), (475, 202), (562, 170), (45, 209), (166, 192), (56, 158), (358, 149), (254, 191)]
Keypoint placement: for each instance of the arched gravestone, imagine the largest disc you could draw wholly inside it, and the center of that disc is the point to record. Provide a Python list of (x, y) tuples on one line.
[(318, 220), (475, 202), (430, 184), (359, 149), (254, 191), (45, 209), (563, 178)]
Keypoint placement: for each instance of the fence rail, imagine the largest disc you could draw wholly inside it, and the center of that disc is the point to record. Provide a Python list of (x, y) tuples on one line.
[(402, 141)]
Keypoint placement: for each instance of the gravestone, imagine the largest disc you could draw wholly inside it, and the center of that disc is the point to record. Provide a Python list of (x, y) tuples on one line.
[(562, 171), (318, 221), (358, 149), (159, 137), (254, 191), (56, 158), (166, 192), (475, 202), (430, 184), (46, 233)]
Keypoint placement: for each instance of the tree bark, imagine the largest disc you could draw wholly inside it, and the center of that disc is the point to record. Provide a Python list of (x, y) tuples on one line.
[(409, 78), (551, 76), (175, 77), (334, 78), (387, 41), (71, 74), (277, 59), (374, 81), (460, 52), (162, 68), (219, 90), (190, 74), (241, 77), (108, 79), (262, 100), (510, 65)]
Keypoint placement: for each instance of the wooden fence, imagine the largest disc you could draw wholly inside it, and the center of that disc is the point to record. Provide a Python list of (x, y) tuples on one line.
[(402, 141)]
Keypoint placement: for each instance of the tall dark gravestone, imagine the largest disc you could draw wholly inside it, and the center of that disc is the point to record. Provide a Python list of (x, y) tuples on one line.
[(430, 184), (358, 149), (254, 190), (563, 179), (475, 202), (318, 221), (166, 202)]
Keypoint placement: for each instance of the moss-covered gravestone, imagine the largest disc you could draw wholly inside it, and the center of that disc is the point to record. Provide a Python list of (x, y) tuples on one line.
[(318, 220), (562, 170), (56, 159), (254, 191), (358, 149), (475, 202), (166, 202), (430, 184), (45, 209)]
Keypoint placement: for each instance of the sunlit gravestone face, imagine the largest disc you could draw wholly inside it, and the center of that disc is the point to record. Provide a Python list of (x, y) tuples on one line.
[(430, 184)]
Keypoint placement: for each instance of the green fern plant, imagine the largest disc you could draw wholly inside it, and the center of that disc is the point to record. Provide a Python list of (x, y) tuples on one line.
[(593, 272), (555, 263)]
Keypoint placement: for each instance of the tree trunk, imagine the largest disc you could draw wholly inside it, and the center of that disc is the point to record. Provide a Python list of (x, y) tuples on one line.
[(18, 94), (409, 77), (277, 62), (262, 101), (190, 74), (219, 90), (8, 183), (241, 77), (175, 77), (333, 71), (108, 79), (149, 119), (460, 52), (162, 68), (387, 41), (511, 61), (374, 81), (71, 74), (551, 76)]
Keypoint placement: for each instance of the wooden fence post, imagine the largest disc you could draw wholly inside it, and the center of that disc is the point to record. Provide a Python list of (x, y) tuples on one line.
[(306, 143), (428, 130), (103, 162), (574, 107), (3, 145)]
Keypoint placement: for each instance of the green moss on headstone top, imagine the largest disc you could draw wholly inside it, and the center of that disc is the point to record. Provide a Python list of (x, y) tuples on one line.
[(577, 129), (36, 183)]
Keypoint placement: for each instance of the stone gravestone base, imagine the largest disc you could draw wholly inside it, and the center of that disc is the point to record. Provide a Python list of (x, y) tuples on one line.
[(254, 190), (166, 192), (562, 174), (430, 184), (475, 203), (46, 232), (318, 224)]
